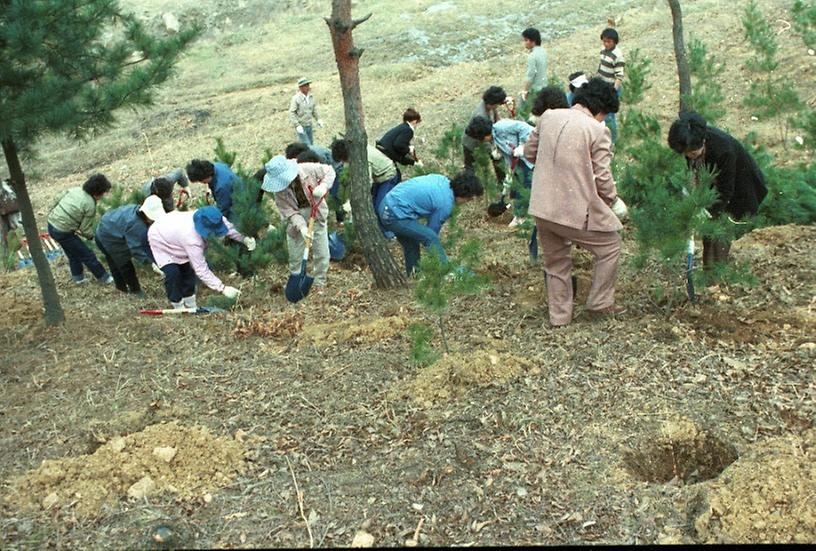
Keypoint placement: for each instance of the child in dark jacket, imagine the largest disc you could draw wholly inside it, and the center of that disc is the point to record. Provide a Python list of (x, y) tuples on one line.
[(396, 143)]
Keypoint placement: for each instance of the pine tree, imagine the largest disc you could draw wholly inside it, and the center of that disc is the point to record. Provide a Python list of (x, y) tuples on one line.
[(61, 73), (804, 21), (706, 96)]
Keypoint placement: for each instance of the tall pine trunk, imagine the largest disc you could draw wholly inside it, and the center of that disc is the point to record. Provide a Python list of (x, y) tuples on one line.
[(387, 273), (683, 73), (53, 310)]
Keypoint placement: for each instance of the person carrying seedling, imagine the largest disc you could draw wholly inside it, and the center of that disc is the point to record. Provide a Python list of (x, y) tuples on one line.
[(72, 217), (121, 236), (299, 189), (493, 98), (738, 179), (163, 187), (574, 198), (220, 180), (303, 112), (396, 143), (431, 196), (178, 241)]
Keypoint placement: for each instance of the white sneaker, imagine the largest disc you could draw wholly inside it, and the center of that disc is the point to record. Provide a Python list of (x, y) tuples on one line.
[(190, 302), (515, 222), (106, 280)]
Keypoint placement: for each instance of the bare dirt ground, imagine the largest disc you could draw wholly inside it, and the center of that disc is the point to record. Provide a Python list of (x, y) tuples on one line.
[(307, 425)]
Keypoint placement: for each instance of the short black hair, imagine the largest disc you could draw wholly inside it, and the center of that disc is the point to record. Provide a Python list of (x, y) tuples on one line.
[(466, 184), (479, 128), (495, 95), (688, 132), (259, 175), (411, 114), (339, 150), (610, 33), (198, 170), (162, 188), (532, 33), (550, 97), (572, 77), (294, 149), (96, 185), (598, 96), (308, 156)]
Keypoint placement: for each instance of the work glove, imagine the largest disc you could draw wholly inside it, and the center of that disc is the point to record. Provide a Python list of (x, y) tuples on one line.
[(619, 208), (495, 154), (518, 152), (299, 129), (523, 95), (347, 206), (419, 164), (509, 102), (508, 183), (319, 192), (250, 243), (157, 270), (231, 292), (320, 123), (304, 231)]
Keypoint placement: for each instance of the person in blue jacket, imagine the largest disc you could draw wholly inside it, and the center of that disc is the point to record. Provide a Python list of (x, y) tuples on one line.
[(431, 196), (121, 236), (219, 177)]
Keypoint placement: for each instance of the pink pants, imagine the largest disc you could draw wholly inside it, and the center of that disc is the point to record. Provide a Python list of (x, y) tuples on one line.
[(556, 248)]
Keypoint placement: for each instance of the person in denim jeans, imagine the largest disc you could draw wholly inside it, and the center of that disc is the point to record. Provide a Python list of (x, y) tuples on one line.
[(72, 217), (432, 197)]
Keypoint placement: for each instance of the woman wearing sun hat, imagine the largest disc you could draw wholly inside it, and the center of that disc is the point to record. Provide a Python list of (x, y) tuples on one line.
[(297, 187), (178, 241)]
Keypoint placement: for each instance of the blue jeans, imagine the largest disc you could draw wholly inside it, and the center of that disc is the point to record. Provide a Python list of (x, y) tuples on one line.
[(306, 136), (411, 234), (611, 122), (78, 254), (179, 281)]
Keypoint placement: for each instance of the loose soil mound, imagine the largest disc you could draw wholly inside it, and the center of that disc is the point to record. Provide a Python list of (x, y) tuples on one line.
[(186, 461), (456, 374), (767, 496), (356, 331)]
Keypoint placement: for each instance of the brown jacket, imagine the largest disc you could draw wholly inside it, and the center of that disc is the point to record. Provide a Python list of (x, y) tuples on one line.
[(572, 183)]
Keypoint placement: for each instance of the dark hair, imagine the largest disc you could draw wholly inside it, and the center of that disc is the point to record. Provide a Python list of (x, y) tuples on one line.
[(411, 114), (259, 175), (531, 33), (339, 150), (551, 97), (495, 95), (598, 96), (479, 128), (294, 149), (610, 33), (143, 217), (688, 132), (162, 188), (466, 184), (572, 77), (96, 185), (309, 156), (199, 170)]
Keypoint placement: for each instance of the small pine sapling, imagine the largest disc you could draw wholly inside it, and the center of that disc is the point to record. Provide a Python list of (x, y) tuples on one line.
[(118, 196), (222, 154), (422, 352), (707, 96), (804, 21)]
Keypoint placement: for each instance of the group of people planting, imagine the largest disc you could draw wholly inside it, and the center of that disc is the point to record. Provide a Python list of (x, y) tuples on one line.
[(562, 155)]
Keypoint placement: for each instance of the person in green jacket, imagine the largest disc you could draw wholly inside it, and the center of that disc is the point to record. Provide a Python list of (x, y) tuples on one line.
[(72, 217)]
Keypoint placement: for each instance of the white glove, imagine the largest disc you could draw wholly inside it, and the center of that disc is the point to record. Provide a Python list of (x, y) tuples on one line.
[(523, 95), (250, 243), (319, 192), (304, 231), (411, 150), (509, 102), (495, 153), (419, 164), (508, 183), (519, 151), (157, 270), (320, 123), (231, 292), (347, 206), (619, 208), (299, 129)]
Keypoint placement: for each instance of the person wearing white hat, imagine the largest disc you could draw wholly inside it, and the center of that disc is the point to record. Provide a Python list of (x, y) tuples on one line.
[(297, 187), (121, 236), (303, 112)]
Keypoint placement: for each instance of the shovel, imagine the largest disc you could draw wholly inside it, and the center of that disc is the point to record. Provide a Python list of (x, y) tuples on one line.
[(167, 311), (298, 285), (500, 207)]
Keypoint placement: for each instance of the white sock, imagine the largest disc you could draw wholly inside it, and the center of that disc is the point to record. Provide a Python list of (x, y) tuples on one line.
[(189, 302)]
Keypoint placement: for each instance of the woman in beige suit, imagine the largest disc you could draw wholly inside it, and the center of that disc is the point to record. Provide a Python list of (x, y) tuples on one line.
[(574, 198)]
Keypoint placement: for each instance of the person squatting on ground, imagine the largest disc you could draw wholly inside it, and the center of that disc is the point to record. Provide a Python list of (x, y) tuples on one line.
[(611, 69), (396, 143), (178, 241), (738, 179), (220, 180), (297, 187), (303, 112), (72, 217), (535, 78), (432, 197), (493, 98), (121, 236), (574, 198), (163, 186)]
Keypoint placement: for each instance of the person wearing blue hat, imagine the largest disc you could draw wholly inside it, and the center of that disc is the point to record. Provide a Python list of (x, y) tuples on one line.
[(178, 241), (297, 187)]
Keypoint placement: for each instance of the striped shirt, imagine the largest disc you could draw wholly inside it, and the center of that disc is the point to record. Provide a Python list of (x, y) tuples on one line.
[(611, 66)]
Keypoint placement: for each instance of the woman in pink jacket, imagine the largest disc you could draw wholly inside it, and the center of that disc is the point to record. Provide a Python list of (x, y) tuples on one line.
[(574, 198), (178, 241)]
